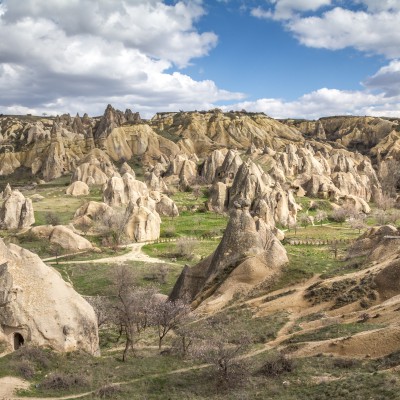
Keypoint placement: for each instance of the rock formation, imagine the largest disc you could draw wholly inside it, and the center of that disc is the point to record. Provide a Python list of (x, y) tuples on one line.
[(142, 224), (38, 307), (248, 254), (62, 236), (77, 188), (16, 211), (95, 168)]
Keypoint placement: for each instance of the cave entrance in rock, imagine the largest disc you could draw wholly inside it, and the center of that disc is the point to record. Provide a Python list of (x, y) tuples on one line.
[(18, 340)]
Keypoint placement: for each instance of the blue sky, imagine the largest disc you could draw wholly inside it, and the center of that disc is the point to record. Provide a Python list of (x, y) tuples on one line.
[(287, 58)]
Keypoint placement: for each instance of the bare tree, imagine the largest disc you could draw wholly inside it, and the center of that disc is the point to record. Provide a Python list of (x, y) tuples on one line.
[(358, 222), (102, 308), (339, 215), (389, 174), (386, 202), (320, 216), (133, 307), (113, 225), (305, 220), (167, 316)]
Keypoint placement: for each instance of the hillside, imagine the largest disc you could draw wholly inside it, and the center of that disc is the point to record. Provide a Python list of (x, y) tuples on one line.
[(225, 255)]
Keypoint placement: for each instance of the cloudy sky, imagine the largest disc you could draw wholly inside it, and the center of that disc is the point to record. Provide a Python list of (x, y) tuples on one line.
[(287, 58)]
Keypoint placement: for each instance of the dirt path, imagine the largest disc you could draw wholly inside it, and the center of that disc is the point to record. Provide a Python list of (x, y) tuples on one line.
[(9, 385), (136, 254)]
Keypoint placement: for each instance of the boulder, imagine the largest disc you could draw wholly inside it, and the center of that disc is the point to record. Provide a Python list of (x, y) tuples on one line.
[(77, 188), (40, 308), (62, 236), (16, 211), (164, 205)]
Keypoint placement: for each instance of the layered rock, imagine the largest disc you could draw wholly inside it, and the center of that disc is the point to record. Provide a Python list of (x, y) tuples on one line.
[(16, 211), (248, 255), (38, 307)]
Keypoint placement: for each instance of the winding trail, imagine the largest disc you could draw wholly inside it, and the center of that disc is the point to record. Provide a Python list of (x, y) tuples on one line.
[(136, 254)]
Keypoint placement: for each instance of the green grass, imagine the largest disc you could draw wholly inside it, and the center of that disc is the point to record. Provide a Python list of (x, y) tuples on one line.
[(333, 331), (97, 279)]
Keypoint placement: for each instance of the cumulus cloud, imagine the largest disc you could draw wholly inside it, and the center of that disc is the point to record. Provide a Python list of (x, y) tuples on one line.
[(324, 102), (369, 27), (387, 79), (286, 9), (340, 28), (62, 54)]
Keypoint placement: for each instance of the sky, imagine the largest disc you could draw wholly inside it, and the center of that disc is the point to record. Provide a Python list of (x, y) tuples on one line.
[(286, 58)]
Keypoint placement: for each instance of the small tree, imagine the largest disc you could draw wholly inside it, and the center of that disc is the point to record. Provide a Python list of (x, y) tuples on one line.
[(339, 215), (304, 220), (320, 216), (167, 316), (386, 202), (358, 222), (102, 308), (52, 218), (133, 308)]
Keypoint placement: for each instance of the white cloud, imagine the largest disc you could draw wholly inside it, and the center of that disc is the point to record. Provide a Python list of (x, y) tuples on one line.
[(324, 102), (387, 79), (64, 54), (380, 5), (340, 28), (286, 9)]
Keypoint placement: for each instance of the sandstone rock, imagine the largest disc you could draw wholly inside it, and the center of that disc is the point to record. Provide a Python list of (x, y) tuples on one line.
[(95, 168), (40, 307), (248, 255), (93, 210), (63, 236), (125, 168), (16, 211), (164, 205), (77, 188), (142, 224), (120, 191)]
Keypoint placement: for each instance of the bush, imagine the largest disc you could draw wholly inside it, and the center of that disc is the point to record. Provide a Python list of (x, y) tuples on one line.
[(277, 365), (61, 381), (33, 354), (25, 369), (109, 391), (185, 248), (52, 218)]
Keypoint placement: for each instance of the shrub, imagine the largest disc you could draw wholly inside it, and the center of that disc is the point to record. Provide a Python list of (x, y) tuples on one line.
[(61, 381), (25, 368), (52, 218), (185, 248), (33, 354), (277, 365), (109, 391)]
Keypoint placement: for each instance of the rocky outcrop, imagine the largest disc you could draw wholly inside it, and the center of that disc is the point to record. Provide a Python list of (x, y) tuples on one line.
[(16, 211), (38, 307), (164, 205), (120, 191), (236, 180), (77, 188), (142, 224), (248, 255), (92, 211), (62, 236), (95, 168)]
